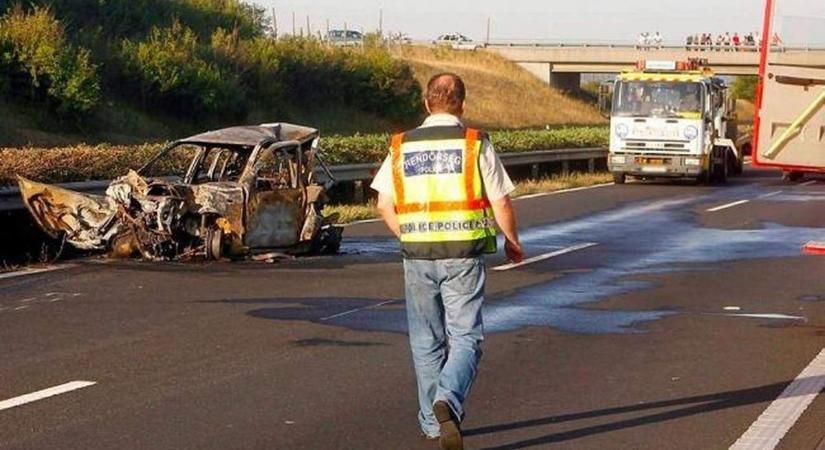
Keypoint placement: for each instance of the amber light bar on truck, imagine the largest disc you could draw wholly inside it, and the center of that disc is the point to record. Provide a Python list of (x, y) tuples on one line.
[(674, 66)]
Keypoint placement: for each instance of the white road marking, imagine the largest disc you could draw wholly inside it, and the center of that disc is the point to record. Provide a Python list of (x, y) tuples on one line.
[(34, 271), (20, 308), (732, 308), (728, 205), (770, 194), (45, 393), (767, 316), (346, 313), (30, 299), (563, 191), (808, 183), (545, 256), (782, 413)]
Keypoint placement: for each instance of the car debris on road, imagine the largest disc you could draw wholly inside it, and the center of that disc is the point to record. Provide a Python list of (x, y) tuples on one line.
[(232, 192)]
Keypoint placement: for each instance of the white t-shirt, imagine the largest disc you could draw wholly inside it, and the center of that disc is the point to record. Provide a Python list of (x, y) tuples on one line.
[(497, 183)]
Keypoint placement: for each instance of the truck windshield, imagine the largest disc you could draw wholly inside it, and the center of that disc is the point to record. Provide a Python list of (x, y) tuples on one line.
[(658, 99)]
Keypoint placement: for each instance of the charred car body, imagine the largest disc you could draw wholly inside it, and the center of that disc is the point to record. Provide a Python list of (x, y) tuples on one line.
[(231, 192)]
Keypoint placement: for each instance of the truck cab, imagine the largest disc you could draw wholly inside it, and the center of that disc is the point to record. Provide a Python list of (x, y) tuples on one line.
[(672, 120)]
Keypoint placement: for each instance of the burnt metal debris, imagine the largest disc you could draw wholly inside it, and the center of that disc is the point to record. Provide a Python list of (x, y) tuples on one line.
[(232, 193)]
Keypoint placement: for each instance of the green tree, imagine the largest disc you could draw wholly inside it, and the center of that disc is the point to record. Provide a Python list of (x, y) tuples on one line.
[(744, 87), (33, 45), (171, 73)]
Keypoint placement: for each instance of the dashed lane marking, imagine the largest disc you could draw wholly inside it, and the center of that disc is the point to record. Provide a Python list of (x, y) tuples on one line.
[(346, 313), (45, 393), (767, 316), (770, 194), (728, 205), (34, 271), (782, 413), (808, 183), (564, 191), (545, 256)]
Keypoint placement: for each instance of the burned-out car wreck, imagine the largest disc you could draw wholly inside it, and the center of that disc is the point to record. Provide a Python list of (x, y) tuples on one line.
[(233, 192)]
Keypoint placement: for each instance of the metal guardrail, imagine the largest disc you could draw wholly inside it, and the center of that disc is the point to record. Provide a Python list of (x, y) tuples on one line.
[(10, 197)]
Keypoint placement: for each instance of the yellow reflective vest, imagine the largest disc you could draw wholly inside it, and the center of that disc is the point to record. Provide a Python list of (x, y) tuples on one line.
[(439, 194)]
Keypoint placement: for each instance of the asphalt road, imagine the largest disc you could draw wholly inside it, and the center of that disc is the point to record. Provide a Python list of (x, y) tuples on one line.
[(643, 340)]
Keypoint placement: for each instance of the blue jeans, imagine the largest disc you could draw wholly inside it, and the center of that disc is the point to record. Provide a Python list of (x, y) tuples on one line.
[(444, 300)]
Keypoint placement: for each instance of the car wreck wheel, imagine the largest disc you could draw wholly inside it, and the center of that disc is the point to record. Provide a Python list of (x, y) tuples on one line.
[(214, 244)]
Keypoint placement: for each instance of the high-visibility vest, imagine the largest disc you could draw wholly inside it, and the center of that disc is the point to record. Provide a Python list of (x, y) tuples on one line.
[(439, 195)]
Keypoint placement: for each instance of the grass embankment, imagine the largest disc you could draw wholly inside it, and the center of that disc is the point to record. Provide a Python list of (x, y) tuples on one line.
[(102, 162), (353, 213), (500, 94)]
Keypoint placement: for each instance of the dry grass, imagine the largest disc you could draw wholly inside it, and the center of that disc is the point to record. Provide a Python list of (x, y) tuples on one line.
[(560, 182), (501, 95), (353, 213), (745, 111)]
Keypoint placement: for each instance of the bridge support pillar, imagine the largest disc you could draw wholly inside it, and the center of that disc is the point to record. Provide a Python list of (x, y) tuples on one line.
[(563, 81)]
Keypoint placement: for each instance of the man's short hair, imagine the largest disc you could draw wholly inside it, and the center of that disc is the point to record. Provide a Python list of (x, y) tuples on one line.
[(446, 93)]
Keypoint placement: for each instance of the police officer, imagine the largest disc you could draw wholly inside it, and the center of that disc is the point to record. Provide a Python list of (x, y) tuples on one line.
[(441, 191)]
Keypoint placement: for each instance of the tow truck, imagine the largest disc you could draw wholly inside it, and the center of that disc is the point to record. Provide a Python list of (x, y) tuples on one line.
[(672, 119)]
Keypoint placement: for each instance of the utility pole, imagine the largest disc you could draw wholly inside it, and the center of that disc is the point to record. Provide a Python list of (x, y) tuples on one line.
[(380, 22), (309, 28), (293, 23), (489, 19), (327, 27), (274, 24)]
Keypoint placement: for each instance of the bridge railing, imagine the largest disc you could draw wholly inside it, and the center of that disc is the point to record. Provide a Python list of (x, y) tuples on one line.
[(649, 47)]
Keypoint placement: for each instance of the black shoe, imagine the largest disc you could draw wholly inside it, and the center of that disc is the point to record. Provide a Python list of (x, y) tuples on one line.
[(450, 432)]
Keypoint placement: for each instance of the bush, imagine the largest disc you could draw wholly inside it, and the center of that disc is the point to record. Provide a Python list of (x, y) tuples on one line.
[(170, 73), (744, 87), (306, 72), (33, 45), (362, 148)]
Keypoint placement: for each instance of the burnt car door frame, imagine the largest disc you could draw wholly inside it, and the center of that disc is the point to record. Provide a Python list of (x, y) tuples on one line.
[(270, 233)]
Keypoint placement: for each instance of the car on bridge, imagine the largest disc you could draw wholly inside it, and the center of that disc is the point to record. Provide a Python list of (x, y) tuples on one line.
[(345, 38), (456, 41)]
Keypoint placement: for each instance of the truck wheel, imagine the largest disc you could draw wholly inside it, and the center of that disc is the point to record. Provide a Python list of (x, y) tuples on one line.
[(735, 166), (619, 177), (722, 168), (792, 176)]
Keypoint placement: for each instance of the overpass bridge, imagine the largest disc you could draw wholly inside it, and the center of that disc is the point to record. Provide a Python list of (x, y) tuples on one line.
[(561, 65)]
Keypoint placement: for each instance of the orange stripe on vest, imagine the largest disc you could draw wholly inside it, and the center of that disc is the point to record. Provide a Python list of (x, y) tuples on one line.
[(397, 174), (469, 205)]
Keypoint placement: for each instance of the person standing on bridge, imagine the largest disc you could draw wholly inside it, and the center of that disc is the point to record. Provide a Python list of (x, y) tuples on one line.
[(441, 191)]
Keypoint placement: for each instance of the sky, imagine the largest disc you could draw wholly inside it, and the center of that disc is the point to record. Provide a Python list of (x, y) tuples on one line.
[(802, 21)]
